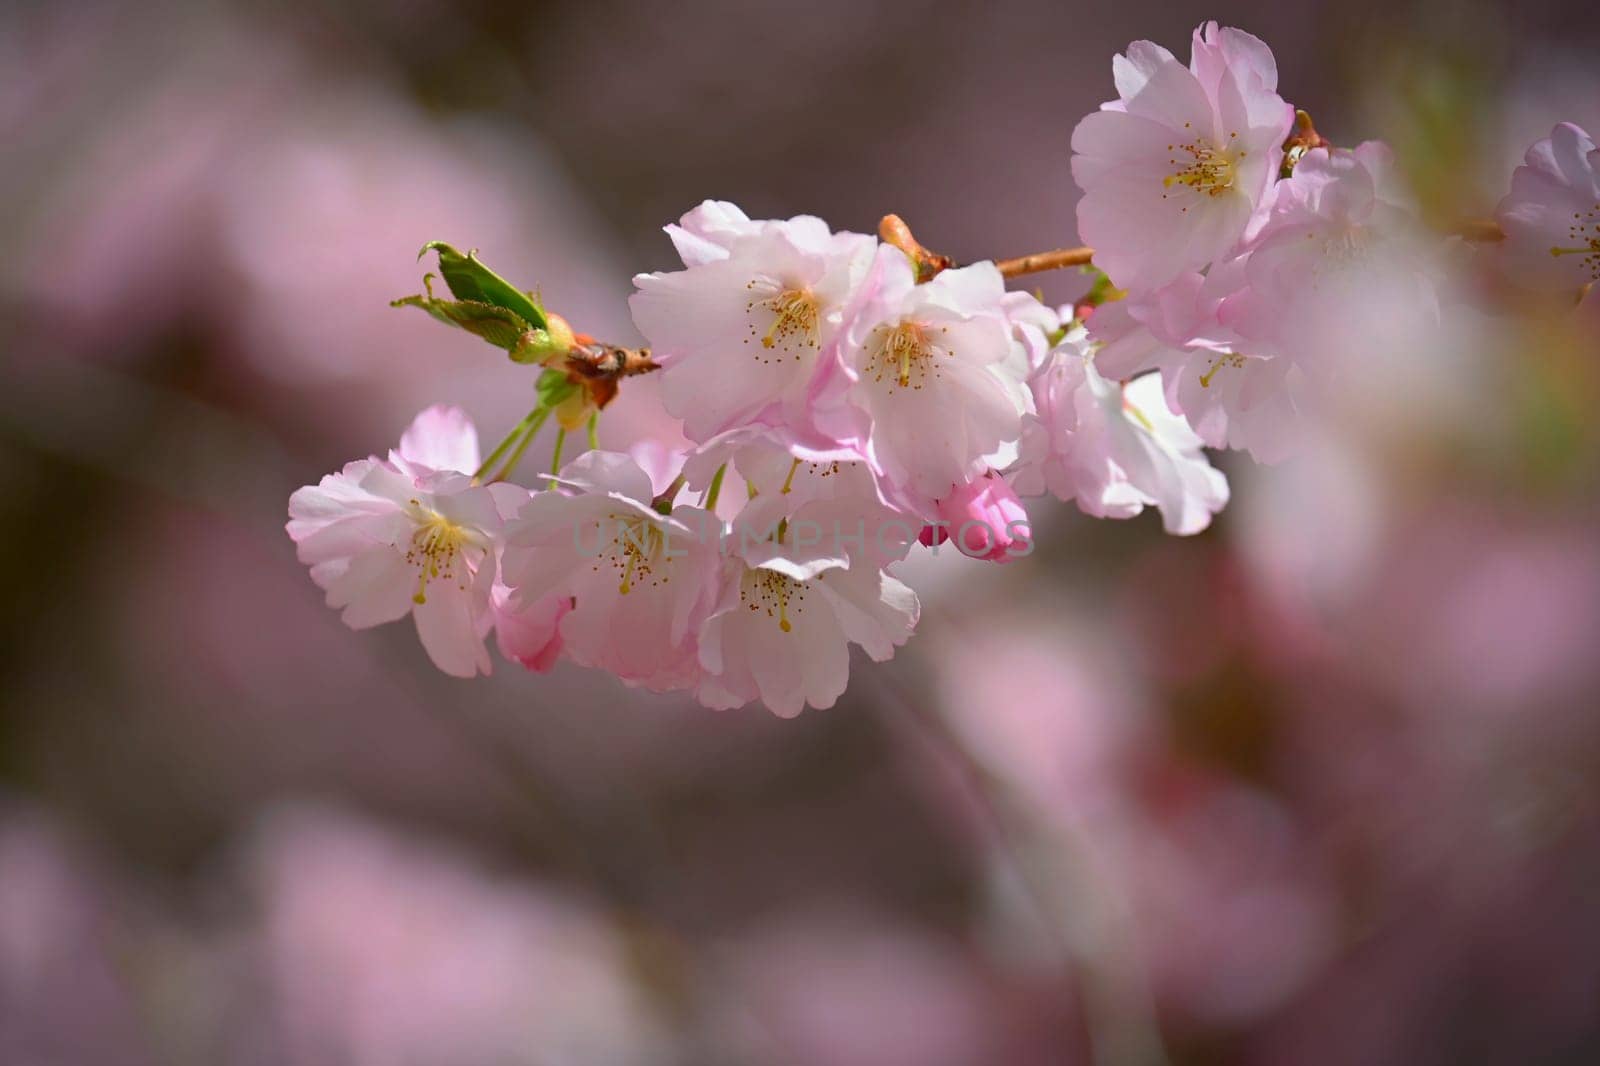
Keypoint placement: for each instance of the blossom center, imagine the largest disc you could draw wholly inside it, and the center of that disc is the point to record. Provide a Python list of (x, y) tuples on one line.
[(1202, 166), (435, 547), (1584, 233), (636, 553), (1225, 359), (795, 317), (903, 354), (774, 593)]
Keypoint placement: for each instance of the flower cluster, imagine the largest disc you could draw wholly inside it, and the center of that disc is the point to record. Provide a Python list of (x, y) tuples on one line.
[(860, 396)]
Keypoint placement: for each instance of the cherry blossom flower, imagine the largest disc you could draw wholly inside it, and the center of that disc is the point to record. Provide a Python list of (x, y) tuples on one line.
[(940, 373), (1230, 397), (773, 464), (1247, 348), (739, 334), (639, 581), (1341, 240), (1114, 449), (410, 535), (1552, 214), (988, 519), (1174, 170), (790, 607), (704, 234), (530, 635)]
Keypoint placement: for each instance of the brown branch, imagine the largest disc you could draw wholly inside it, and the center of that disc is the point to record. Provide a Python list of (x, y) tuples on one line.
[(1039, 261), (893, 230)]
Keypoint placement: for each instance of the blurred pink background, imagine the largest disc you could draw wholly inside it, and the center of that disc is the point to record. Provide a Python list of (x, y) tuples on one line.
[(1320, 785)]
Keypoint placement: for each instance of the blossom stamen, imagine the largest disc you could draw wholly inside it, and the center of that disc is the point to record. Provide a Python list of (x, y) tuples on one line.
[(1584, 232), (636, 553), (1208, 169), (434, 548), (904, 353), (774, 593), (795, 317), (1226, 359)]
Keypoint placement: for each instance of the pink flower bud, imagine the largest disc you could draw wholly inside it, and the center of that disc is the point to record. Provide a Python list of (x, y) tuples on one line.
[(532, 635), (988, 519)]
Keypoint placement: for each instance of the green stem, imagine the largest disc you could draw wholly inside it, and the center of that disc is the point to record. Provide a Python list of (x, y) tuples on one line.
[(555, 458), (594, 432), (531, 428), (521, 427), (716, 488), (663, 502)]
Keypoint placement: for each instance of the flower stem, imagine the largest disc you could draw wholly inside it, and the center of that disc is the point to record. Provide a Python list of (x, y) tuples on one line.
[(663, 502), (594, 432), (555, 456), (500, 449), (716, 488), (530, 428)]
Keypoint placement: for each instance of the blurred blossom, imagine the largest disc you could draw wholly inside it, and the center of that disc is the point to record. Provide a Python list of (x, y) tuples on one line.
[(284, 210), (125, 242), (1309, 530), (1231, 914), (1484, 614), (323, 213), (380, 949), (1221, 905), (839, 988), (1043, 703), (62, 999)]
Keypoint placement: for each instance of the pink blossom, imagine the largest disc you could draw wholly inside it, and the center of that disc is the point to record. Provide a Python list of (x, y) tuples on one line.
[(410, 535), (740, 333), (1552, 214), (791, 604), (1114, 449), (1341, 248), (529, 635), (705, 233), (1174, 170), (988, 519), (640, 582), (772, 464), (938, 370), (1250, 348), (1229, 396)]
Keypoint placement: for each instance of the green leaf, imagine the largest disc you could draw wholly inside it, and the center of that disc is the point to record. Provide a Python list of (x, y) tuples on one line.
[(497, 325), (470, 280)]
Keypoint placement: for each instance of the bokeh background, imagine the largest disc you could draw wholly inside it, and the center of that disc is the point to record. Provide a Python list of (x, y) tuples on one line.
[(1317, 786)]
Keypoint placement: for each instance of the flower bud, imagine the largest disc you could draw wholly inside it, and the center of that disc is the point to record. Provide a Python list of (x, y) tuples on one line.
[(988, 519), (547, 347)]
